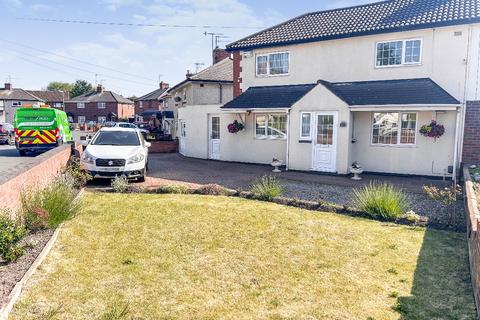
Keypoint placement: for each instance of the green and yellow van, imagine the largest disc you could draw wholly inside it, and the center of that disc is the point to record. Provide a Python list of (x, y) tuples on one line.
[(40, 128)]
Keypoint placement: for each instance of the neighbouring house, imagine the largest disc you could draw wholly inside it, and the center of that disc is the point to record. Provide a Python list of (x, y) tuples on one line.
[(330, 88), (99, 106), (197, 100), (150, 101), (55, 99), (12, 98)]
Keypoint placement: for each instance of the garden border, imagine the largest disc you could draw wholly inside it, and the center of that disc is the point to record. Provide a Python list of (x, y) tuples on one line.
[(473, 233), (17, 289)]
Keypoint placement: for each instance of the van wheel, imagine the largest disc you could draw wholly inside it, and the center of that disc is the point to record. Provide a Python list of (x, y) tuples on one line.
[(23, 153)]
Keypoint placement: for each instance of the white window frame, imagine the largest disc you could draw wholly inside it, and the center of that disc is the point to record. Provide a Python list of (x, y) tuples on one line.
[(84, 119), (267, 119), (80, 105), (101, 105), (309, 137), (268, 64), (102, 119), (404, 46), (140, 104), (399, 128)]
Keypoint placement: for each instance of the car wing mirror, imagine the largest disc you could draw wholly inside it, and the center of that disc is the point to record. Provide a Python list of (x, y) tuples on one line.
[(148, 144)]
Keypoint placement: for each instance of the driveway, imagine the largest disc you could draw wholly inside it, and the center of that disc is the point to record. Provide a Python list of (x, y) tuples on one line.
[(301, 185)]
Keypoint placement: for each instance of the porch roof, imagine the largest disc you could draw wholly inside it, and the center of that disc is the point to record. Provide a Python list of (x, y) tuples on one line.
[(269, 97), (423, 92)]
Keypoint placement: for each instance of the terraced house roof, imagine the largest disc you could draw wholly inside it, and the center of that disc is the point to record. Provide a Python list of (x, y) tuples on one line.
[(379, 17)]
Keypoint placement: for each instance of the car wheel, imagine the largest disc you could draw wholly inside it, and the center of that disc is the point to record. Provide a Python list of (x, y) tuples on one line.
[(143, 177)]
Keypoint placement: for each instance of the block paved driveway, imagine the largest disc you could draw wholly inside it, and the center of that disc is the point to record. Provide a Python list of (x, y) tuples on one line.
[(11, 162), (241, 176), (174, 168)]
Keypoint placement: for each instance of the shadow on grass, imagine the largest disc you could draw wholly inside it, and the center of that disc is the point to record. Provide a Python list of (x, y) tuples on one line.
[(442, 286)]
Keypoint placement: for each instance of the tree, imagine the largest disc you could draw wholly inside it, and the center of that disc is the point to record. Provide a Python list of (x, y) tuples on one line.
[(60, 86), (80, 87)]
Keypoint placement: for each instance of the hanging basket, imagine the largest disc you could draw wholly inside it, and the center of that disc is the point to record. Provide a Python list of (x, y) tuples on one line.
[(432, 130), (235, 127)]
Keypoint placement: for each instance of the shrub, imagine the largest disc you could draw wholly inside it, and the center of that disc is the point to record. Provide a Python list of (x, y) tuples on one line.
[(447, 197), (11, 232), (173, 188), (120, 184), (212, 190), (381, 200), (267, 188), (80, 177), (49, 206)]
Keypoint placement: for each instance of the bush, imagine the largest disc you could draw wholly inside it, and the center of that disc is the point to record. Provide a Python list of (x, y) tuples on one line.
[(51, 205), (80, 177), (212, 190), (11, 232), (173, 188), (267, 188), (120, 184), (381, 200)]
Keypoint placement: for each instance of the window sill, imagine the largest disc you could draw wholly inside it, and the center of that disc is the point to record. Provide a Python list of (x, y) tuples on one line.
[(400, 65), (400, 146), (271, 75), (270, 139)]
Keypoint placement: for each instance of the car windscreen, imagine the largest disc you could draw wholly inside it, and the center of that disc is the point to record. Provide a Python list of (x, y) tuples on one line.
[(116, 138)]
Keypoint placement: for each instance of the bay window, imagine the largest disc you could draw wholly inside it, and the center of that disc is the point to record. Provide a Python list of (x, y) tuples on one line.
[(394, 128), (273, 64), (271, 126), (397, 53)]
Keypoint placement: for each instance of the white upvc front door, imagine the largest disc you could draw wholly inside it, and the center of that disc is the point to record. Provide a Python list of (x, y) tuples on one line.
[(325, 142), (182, 137), (214, 137)]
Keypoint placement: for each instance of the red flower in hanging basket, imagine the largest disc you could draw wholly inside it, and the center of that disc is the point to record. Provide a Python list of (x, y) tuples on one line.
[(235, 127), (432, 130)]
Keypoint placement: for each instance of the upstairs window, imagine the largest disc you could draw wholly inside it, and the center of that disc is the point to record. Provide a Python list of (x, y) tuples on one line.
[(394, 128), (17, 104), (101, 105), (81, 105), (273, 64), (397, 53)]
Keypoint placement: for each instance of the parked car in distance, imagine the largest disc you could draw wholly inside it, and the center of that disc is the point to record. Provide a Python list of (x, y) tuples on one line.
[(7, 133), (116, 151), (131, 125)]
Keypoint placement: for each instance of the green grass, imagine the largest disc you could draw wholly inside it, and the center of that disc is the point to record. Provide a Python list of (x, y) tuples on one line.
[(135, 256)]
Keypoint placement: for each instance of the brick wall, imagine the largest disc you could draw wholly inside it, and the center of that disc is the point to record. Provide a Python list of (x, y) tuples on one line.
[(39, 172), (473, 233), (163, 147), (471, 142), (237, 71), (147, 105), (92, 112)]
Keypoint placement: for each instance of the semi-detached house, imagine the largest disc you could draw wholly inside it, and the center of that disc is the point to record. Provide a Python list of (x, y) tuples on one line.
[(330, 88)]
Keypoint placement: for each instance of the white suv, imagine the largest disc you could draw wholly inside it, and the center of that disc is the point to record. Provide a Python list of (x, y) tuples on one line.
[(116, 151)]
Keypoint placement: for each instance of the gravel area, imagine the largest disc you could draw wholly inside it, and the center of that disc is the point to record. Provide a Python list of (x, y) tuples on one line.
[(13, 272), (421, 204)]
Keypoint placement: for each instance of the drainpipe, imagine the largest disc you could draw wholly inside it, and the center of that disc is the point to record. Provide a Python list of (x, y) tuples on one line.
[(287, 158), (455, 152)]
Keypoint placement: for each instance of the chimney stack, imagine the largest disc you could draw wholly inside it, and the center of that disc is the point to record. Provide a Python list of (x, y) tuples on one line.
[(189, 74), (164, 85), (8, 86), (219, 55), (99, 88)]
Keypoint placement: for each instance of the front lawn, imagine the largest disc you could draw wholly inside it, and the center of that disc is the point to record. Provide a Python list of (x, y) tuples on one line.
[(202, 257)]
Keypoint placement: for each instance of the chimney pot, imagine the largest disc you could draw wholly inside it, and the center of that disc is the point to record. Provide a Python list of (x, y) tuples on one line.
[(99, 88), (219, 55), (8, 86), (189, 74), (164, 85)]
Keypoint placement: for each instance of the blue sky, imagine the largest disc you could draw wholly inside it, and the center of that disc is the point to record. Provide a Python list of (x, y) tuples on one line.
[(34, 53)]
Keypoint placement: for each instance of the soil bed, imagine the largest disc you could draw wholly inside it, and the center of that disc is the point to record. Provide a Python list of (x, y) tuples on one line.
[(13, 272)]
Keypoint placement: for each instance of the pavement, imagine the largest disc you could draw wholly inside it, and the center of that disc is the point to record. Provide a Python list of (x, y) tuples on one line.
[(10, 159)]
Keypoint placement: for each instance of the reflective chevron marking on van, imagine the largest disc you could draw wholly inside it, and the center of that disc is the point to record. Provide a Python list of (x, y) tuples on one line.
[(37, 136)]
